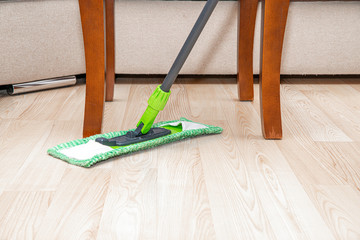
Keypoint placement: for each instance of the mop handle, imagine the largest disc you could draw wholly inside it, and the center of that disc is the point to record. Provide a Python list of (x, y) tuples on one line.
[(188, 45)]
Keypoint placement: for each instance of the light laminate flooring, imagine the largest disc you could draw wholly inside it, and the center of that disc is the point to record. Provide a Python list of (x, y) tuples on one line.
[(235, 185)]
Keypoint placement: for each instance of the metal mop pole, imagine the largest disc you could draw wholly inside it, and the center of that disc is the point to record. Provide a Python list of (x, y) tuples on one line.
[(160, 96), (188, 45)]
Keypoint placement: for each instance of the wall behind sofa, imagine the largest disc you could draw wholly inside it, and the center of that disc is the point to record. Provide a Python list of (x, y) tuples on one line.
[(42, 38)]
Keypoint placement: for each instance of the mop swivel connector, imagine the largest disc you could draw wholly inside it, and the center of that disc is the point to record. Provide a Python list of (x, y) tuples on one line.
[(157, 102), (159, 99)]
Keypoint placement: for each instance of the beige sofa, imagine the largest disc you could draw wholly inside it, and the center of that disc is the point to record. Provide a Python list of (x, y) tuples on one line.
[(42, 38)]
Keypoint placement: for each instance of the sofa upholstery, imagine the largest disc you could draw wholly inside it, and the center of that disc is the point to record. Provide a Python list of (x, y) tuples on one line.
[(40, 39), (43, 39)]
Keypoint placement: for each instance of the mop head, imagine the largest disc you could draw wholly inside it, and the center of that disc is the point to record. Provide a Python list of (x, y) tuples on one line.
[(86, 152)]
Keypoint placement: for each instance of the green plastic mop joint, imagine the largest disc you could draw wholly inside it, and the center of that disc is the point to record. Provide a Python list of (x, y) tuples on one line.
[(157, 102)]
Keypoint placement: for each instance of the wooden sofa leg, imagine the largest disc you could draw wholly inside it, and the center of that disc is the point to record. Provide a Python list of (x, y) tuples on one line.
[(92, 20), (246, 28), (274, 15), (110, 50)]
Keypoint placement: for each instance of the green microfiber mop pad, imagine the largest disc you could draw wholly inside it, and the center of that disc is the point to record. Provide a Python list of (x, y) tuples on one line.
[(86, 152)]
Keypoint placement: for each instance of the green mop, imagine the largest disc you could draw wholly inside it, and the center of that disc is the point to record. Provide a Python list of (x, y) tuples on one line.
[(88, 151)]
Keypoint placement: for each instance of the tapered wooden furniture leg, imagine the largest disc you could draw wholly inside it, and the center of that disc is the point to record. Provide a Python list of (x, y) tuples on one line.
[(92, 20), (274, 15), (246, 28), (110, 50)]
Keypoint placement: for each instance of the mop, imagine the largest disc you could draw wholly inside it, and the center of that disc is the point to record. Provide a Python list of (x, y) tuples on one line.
[(89, 151)]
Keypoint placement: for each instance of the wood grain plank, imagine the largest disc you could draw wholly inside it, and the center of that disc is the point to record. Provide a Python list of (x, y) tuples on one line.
[(30, 168), (39, 105), (21, 213), (41, 172), (12, 106), (22, 139), (313, 121), (4, 124), (291, 213), (205, 102), (244, 123), (166, 202), (130, 207), (114, 113), (339, 207), (307, 163), (344, 89), (77, 205), (236, 208), (312, 164), (72, 106), (8, 105), (230, 186), (348, 95), (354, 83), (243, 119), (338, 112), (273, 178), (182, 199), (39, 109), (55, 104), (338, 103), (344, 157)]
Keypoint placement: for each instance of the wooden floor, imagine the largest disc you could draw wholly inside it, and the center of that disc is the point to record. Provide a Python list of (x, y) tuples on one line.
[(230, 186)]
